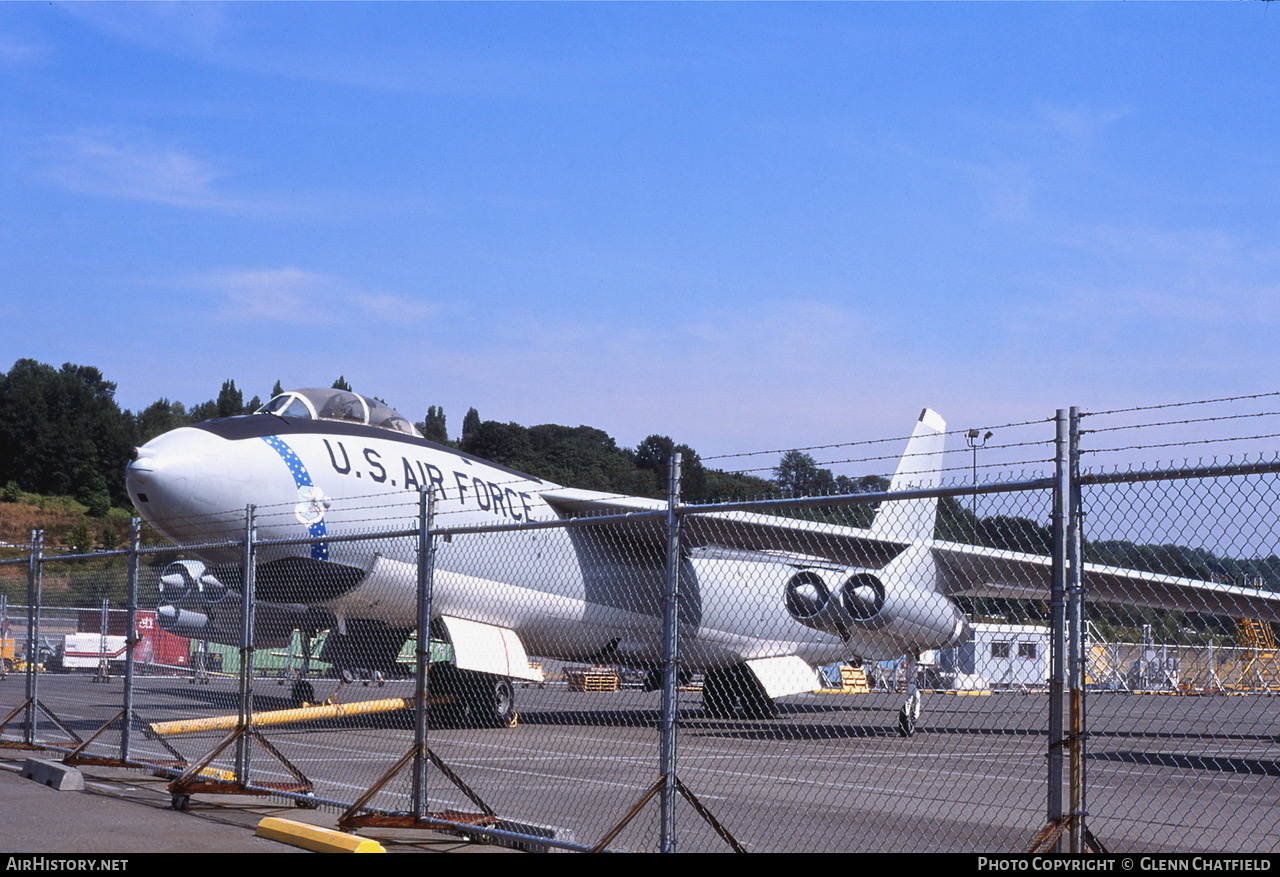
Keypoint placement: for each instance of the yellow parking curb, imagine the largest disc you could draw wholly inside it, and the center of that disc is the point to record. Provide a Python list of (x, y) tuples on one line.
[(313, 837)]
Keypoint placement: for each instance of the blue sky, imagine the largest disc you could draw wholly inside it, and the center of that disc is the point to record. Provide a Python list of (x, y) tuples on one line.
[(746, 226)]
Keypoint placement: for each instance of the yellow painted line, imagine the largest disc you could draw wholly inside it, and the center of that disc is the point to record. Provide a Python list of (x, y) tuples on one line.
[(313, 837)]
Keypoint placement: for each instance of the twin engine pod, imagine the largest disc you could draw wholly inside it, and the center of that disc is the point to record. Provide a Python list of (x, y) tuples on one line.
[(878, 618), (186, 592), (187, 579), (195, 604)]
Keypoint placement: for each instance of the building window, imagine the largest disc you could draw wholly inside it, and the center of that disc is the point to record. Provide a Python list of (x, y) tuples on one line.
[(1026, 650), (1000, 650)]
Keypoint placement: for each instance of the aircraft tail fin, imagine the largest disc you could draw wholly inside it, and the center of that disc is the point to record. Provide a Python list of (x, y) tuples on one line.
[(920, 468)]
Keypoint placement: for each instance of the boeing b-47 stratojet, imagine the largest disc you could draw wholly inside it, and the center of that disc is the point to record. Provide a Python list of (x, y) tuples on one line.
[(763, 598)]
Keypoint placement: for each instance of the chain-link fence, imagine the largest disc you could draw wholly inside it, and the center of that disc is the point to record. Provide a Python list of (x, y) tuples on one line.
[(1070, 659)]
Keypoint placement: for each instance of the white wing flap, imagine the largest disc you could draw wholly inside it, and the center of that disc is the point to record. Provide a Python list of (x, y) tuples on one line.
[(489, 649), (785, 675)]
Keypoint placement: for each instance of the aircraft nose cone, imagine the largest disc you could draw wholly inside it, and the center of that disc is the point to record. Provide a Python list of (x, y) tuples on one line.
[(178, 479), (140, 460), (139, 474)]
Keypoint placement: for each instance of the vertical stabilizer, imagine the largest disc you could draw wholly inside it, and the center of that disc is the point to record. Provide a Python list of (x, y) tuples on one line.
[(920, 468)]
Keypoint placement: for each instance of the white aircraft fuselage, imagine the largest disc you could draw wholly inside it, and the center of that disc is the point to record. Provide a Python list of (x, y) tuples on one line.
[(576, 593)]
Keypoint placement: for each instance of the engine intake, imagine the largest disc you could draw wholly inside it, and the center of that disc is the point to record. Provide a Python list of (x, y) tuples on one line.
[(184, 579), (874, 615), (806, 596), (862, 596)]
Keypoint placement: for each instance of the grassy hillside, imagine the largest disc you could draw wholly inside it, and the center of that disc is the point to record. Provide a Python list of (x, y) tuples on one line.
[(66, 523)]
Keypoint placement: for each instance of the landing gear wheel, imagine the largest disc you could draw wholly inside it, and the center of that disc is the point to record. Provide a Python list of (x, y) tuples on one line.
[(180, 802), (906, 724), (306, 802), (493, 702), (302, 693), (910, 713), (479, 700)]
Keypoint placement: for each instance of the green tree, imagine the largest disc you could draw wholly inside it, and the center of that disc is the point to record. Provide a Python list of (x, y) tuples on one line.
[(797, 474), (159, 417), (504, 443), (80, 539), (230, 400), (433, 427), (341, 384), (655, 453), (61, 431), (470, 423)]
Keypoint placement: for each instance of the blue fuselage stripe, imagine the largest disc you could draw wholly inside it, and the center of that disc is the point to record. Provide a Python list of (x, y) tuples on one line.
[(301, 478)]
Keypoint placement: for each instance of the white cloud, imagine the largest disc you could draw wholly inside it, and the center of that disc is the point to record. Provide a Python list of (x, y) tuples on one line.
[(294, 296), (1081, 123), (113, 165), (16, 53)]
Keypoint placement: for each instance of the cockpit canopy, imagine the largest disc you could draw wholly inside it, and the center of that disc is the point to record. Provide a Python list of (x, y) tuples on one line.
[(316, 403)]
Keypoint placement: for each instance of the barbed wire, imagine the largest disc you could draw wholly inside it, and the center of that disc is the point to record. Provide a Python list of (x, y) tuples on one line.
[(1179, 404), (878, 441), (1185, 422), (1188, 443)]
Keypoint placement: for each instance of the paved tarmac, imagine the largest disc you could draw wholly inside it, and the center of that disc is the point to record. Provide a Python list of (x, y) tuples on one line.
[(830, 773)]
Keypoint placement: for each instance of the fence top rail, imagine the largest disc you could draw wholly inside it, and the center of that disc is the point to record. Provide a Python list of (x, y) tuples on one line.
[(1182, 473)]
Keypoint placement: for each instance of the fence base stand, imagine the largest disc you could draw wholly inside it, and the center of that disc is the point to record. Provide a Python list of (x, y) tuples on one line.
[(77, 756), (1048, 836), (38, 706), (197, 777), (451, 821), (697, 805)]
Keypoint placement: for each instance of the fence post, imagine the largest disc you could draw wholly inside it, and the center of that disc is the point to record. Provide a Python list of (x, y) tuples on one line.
[(247, 598), (1058, 616), (670, 663), (1075, 627), (35, 569), (131, 635), (104, 628), (426, 572)]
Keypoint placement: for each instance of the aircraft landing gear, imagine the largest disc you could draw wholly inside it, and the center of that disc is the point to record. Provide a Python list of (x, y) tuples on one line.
[(302, 693), (479, 699), (910, 713)]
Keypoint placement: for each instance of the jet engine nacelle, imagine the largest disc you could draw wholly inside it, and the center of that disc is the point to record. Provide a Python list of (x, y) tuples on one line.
[(878, 617), (195, 604), (188, 581)]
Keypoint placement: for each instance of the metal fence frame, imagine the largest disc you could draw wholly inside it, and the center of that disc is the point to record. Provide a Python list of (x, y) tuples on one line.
[(1066, 785)]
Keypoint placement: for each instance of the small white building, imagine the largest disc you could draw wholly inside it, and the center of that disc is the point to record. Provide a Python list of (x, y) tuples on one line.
[(998, 656)]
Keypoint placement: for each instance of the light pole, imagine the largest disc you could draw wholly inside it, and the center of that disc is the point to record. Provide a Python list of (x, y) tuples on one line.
[(976, 439)]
